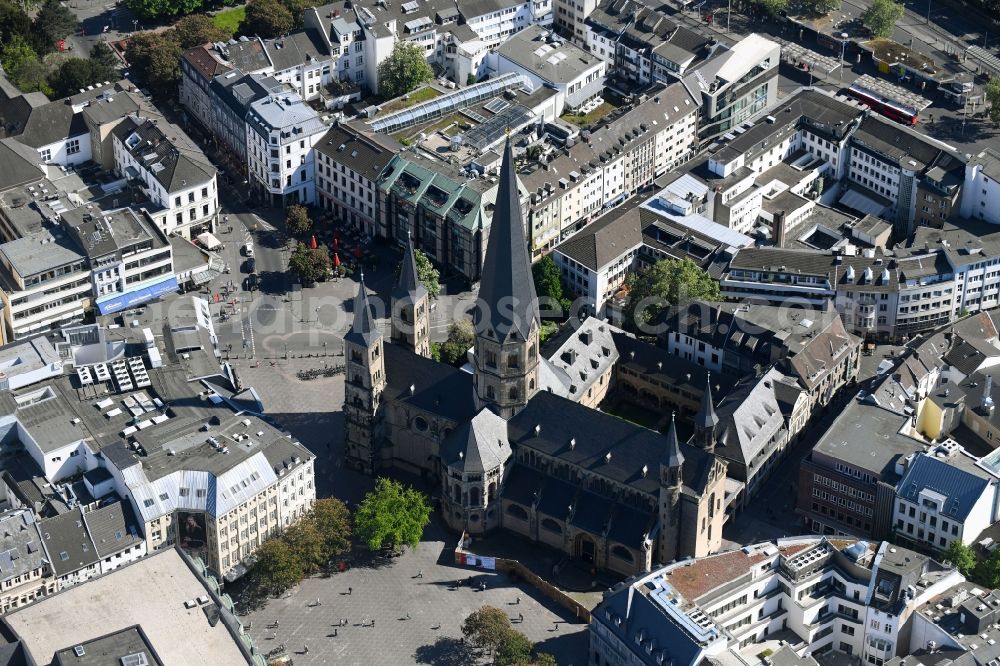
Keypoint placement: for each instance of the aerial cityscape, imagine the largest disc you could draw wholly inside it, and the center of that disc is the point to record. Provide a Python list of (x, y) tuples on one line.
[(511, 332)]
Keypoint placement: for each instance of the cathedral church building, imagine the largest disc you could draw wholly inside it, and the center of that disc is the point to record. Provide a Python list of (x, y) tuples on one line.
[(509, 446)]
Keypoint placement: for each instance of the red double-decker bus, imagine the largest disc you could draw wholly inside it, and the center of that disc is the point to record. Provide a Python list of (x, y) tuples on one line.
[(891, 109)]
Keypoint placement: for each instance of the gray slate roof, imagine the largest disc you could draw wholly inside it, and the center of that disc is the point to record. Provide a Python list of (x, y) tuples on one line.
[(179, 170), (113, 528), (961, 487), (408, 285), (67, 543), (20, 544), (479, 445), (363, 330)]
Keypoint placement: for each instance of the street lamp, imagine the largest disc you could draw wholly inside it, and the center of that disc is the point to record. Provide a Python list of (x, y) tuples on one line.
[(843, 47)]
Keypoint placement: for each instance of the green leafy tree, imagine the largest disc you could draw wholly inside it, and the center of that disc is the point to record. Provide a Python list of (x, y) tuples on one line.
[(307, 545), (987, 571), (461, 336), (392, 516), (297, 220), (297, 9), (487, 628), (470, 79), (333, 522), (404, 70), (545, 659), (276, 568), (429, 276), (514, 648), (881, 17), (104, 56), (310, 265), (23, 67), (267, 18), (962, 556), (198, 29), (76, 73), (670, 281), (13, 21), (53, 22), (547, 330), (548, 284), (154, 58), (156, 9), (992, 92), (822, 7), (774, 7), (15, 53)]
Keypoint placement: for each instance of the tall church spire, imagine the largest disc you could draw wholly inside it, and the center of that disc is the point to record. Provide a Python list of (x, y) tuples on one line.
[(408, 285), (506, 317), (411, 307), (363, 331), (507, 300), (672, 456), (706, 419)]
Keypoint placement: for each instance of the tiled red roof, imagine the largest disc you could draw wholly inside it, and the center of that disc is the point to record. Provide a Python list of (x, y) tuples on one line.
[(202, 59)]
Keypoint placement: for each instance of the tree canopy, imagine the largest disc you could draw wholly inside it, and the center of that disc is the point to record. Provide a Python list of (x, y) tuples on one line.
[(428, 275), (155, 59), (404, 70), (392, 516), (461, 336), (310, 265), (156, 9), (276, 568), (267, 19), (53, 22), (881, 17), (22, 66), (667, 282), (297, 220), (992, 92), (76, 73), (774, 7), (962, 556), (197, 29), (333, 522), (489, 628), (822, 7), (548, 286)]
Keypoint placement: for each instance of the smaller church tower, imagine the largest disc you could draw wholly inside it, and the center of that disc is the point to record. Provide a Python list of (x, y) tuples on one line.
[(365, 382), (705, 421), (411, 307), (671, 485)]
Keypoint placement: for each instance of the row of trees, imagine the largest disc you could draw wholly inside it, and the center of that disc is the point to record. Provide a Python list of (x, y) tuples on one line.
[(982, 571), (992, 93), (303, 549), (155, 57), (27, 43), (489, 628), (391, 516), (881, 17)]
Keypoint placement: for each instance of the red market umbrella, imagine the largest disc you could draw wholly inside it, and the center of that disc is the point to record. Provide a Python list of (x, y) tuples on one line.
[(336, 260), (336, 236), (312, 243), (336, 243), (357, 252)]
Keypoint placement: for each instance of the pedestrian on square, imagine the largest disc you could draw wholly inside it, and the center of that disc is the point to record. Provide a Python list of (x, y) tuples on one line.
[(350, 591), (520, 618)]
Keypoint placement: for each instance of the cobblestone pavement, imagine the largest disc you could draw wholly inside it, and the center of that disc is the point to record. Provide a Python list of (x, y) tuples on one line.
[(388, 592)]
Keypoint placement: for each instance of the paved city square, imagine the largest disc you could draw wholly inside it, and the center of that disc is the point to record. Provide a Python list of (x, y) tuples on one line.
[(384, 594)]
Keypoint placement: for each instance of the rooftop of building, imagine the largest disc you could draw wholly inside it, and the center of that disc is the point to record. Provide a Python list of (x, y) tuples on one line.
[(151, 593), (547, 56), (989, 160), (301, 47), (29, 355), (21, 548), (205, 60), (287, 112), (173, 165), (641, 24), (41, 251), (67, 543), (20, 164), (869, 438), (361, 151), (101, 233), (114, 649)]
